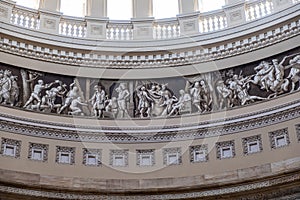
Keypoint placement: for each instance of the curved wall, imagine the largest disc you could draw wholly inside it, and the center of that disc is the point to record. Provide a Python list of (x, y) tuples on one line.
[(234, 134)]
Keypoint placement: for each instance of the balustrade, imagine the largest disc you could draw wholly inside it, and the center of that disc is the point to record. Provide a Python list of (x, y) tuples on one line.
[(119, 31), (123, 30), (72, 27), (258, 9), (25, 17), (166, 29), (212, 21)]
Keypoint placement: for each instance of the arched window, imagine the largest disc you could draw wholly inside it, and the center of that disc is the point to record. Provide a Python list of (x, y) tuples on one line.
[(165, 8), (73, 7), (119, 9), (28, 3), (209, 5)]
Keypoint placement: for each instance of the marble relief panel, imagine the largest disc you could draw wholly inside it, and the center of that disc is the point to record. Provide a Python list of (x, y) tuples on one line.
[(123, 99)]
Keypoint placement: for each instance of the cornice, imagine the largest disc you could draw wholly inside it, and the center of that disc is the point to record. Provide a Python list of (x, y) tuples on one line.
[(213, 128)]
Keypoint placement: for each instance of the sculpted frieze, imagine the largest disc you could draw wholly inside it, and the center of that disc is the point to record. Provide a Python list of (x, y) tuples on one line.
[(158, 98)]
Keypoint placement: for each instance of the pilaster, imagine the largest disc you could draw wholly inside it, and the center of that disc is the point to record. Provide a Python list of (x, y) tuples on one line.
[(50, 5), (187, 6), (49, 21), (235, 12), (96, 8), (189, 23), (6, 7), (142, 8), (143, 28), (96, 27), (281, 4)]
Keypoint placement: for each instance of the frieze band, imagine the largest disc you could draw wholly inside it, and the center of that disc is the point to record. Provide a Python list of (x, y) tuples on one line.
[(123, 99)]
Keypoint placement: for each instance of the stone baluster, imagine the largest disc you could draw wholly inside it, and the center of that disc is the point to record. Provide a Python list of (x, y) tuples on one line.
[(142, 19), (235, 12), (188, 17), (50, 16), (96, 18)]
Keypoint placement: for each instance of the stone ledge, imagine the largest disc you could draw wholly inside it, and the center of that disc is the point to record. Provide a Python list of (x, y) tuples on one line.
[(240, 176)]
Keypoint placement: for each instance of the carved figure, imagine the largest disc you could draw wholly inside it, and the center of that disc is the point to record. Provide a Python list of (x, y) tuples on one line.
[(205, 96), (112, 106), (294, 74), (144, 104), (183, 104), (48, 100), (195, 93), (225, 95), (240, 87), (36, 94), (167, 100), (9, 90), (71, 95), (75, 106), (98, 101), (264, 75), (123, 97)]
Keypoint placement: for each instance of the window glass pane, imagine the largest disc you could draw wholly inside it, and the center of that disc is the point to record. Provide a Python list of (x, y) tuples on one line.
[(37, 155), (209, 5), (165, 8), (119, 9), (9, 150), (118, 161), (73, 7), (28, 3)]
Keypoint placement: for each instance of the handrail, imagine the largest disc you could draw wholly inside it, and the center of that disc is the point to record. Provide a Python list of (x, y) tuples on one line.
[(161, 28)]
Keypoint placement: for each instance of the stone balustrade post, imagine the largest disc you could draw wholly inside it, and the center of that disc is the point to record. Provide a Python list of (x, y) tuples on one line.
[(50, 16), (143, 28), (235, 12), (6, 7), (142, 19), (189, 23), (96, 19), (281, 4)]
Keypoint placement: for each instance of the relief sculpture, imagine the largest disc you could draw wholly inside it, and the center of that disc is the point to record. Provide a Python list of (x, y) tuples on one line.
[(201, 93)]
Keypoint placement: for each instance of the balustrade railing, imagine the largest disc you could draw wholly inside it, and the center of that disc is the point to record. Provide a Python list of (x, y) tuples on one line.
[(258, 9), (119, 31), (25, 17), (212, 21), (72, 27), (124, 30)]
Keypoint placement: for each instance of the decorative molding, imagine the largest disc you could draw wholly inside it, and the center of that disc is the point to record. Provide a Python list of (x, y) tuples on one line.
[(256, 139), (277, 136), (249, 188), (16, 144), (214, 128), (198, 55), (44, 148)]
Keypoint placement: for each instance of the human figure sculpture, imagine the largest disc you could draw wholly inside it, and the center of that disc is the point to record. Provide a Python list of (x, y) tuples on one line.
[(195, 93), (182, 104), (48, 100), (112, 106), (9, 90), (224, 95), (144, 104), (36, 94), (294, 73), (123, 97), (75, 106), (205, 96), (98, 101), (71, 95)]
